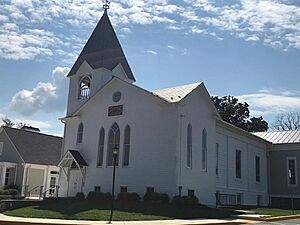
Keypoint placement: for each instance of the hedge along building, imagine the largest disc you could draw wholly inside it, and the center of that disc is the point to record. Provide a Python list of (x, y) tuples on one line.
[(170, 141), (28, 161)]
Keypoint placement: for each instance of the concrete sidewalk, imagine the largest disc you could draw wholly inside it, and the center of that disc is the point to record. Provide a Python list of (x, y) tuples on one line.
[(9, 220)]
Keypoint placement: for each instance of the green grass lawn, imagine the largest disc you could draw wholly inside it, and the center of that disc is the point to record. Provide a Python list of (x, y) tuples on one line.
[(274, 212), (89, 210)]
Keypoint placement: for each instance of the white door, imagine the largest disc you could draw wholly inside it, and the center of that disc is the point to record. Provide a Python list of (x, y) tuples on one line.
[(75, 182)]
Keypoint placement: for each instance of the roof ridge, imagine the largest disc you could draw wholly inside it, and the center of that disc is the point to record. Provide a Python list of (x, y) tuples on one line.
[(197, 83), (32, 132)]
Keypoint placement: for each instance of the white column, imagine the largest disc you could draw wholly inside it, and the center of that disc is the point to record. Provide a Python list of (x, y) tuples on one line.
[(3, 176)]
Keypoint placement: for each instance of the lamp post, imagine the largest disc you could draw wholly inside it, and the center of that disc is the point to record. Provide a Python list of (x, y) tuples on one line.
[(115, 155)]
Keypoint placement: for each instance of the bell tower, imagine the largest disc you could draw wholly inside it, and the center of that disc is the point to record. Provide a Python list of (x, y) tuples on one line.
[(101, 59)]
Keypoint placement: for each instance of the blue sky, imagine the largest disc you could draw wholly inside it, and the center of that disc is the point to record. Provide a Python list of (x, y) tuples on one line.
[(246, 48)]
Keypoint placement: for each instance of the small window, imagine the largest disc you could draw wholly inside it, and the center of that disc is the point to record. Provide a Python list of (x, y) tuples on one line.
[(204, 150), (84, 87), (189, 146), (191, 193), (217, 159), (80, 133), (292, 171), (123, 189), (239, 199), (150, 189), (257, 168), (97, 189), (54, 172), (238, 164)]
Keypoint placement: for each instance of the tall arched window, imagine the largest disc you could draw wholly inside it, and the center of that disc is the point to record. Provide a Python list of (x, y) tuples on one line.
[(113, 142), (100, 147), (126, 148), (204, 150), (84, 87), (189, 146), (80, 133)]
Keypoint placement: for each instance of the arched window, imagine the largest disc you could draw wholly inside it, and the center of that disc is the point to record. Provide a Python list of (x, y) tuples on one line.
[(189, 146), (84, 87), (126, 148), (204, 150), (113, 142), (80, 133), (101, 147)]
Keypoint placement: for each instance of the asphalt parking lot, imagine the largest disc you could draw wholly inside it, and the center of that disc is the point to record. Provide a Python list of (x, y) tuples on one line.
[(282, 222)]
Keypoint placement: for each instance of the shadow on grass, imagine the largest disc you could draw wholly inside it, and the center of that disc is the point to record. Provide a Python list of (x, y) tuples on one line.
[(93, 210)]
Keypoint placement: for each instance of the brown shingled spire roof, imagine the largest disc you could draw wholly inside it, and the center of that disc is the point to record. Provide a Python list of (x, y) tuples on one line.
[(103, 49)]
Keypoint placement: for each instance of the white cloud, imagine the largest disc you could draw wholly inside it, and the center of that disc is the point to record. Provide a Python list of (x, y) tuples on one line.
[(273, 23), (270, 102), (151, 52), (46, 97)]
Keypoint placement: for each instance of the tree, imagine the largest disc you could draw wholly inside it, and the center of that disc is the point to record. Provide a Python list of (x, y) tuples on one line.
[(287, 121), (236, 113), (7, 122)]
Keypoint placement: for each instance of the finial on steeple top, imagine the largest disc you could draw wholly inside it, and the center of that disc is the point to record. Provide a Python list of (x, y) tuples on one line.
[(105, 5)]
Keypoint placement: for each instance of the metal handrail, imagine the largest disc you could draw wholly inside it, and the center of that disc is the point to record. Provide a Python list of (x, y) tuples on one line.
[(29, 192)]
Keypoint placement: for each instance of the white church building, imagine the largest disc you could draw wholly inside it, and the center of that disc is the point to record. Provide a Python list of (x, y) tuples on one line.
[(170, 141)]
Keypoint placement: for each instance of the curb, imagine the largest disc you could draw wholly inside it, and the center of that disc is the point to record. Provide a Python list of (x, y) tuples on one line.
[(278, 218)]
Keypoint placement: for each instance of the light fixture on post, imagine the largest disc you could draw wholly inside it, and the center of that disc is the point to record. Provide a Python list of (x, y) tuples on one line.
[(115, 155)]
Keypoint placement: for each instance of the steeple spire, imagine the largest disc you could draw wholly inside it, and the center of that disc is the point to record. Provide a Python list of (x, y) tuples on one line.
[(106, 4), (103, 48)]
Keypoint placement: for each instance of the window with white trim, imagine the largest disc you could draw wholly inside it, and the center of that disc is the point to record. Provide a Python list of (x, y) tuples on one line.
[(113, 142), (80, 133), (126, 148), (217, 159), (292, 171), (101, 147), (238, 164), (189, 146), (257, 168), (204, 150), (84, 87)]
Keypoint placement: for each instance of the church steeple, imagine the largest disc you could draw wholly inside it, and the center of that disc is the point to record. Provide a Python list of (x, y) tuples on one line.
[(103, 49)]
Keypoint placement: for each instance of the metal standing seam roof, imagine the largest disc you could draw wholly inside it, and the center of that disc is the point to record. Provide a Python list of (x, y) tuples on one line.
[(175, 94), (280, 137), (35, 147)]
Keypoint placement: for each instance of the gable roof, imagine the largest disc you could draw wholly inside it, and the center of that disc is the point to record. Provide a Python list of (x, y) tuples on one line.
[(35, 147), (280, 137), (103, 49), (175, 94), (78, 157)]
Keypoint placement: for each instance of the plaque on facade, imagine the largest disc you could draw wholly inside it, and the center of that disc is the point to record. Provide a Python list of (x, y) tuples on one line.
[(115, 110)]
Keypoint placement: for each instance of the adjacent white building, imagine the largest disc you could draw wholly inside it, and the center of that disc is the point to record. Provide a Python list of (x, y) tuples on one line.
[(171, 141)]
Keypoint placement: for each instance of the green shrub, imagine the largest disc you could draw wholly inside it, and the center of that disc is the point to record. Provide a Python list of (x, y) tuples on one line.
[(186, 201), (156, 197), (8, 192), (128, 197), (80, 196), (11, 186), (99, 196)]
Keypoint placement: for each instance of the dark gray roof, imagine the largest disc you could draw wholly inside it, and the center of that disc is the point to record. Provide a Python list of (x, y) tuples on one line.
[(280, 137), (103, 49), (78, 157), (35, 147)]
